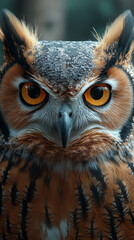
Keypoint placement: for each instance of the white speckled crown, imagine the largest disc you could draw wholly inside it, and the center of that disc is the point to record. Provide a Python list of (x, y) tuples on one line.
[(64, 64)]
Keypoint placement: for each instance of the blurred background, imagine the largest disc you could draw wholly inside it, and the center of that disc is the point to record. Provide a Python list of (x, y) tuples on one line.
[(67, 19)]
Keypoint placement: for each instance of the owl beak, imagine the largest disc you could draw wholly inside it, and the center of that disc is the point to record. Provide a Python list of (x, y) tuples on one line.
[(65, 124)]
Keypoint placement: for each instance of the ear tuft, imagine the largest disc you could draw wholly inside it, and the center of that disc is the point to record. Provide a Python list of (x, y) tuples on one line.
[(122, 30), (118, 41), (15, 34), (127, 35)]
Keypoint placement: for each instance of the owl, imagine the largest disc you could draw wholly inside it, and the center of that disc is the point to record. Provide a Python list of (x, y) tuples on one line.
[(66, 135)]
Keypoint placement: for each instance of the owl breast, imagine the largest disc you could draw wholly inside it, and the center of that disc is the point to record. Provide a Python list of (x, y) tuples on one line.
[(95, 202)]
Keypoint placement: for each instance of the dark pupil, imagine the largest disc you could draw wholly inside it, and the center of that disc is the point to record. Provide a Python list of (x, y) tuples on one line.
[(33, 91), (96, 93)]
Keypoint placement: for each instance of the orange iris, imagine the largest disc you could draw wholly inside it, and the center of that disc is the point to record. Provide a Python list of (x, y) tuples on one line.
[(98, 95), (32, 94)]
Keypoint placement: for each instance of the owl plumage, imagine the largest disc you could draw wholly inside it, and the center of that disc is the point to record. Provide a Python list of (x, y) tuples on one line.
[(66, 142)]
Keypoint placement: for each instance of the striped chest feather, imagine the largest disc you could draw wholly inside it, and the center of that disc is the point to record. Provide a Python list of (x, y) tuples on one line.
[(95, 202)]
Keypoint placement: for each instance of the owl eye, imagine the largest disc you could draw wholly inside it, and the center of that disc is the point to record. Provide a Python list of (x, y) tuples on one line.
[(98, 95), (32, 94)]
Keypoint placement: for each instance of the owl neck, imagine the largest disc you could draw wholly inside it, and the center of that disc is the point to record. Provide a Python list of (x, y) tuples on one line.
[(30, 161), (79, 155)]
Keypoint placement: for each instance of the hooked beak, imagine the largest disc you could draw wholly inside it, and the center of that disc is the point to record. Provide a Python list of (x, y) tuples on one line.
[(65, 124)]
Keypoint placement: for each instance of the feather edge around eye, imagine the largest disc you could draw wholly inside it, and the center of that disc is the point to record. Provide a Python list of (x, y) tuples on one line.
[(98, 95)]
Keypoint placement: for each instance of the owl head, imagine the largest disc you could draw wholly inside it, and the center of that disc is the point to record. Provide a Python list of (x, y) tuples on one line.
[(66, 99)]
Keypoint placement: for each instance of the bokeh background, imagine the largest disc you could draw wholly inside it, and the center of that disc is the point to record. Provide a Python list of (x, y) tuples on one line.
[(67, 19)]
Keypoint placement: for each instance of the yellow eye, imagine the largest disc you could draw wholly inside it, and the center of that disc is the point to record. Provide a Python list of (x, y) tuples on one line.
[(32, 94), (98, 95)]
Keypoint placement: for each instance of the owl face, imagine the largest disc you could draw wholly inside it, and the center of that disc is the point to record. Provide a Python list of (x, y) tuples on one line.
[(67, 94)]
